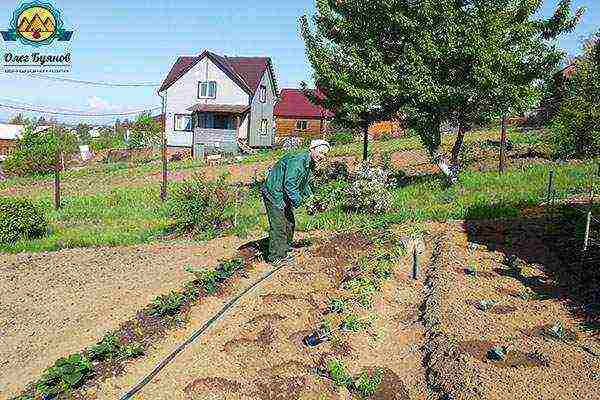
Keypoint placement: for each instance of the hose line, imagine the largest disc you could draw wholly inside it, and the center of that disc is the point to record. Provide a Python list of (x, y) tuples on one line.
[(133, 391)]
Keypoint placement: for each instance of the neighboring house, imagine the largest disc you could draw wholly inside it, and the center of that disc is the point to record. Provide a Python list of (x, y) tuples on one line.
[(297, 116), (9, 133), (213, 101)]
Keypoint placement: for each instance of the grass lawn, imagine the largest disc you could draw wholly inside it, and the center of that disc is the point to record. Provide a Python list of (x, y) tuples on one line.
[(133, 215)]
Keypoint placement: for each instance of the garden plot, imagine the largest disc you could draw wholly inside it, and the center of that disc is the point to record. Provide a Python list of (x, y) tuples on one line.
[(54, 304), (500, 324), (256, 350)]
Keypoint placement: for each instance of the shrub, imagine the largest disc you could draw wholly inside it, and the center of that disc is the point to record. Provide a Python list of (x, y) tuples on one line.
[(20, 219), (367, 196), (201, 206), (341, 138), (338, 306), (332, 171), (36, 152), (66, 374)]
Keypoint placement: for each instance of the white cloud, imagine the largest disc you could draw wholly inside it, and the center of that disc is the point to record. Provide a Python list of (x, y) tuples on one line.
[(97, 103)]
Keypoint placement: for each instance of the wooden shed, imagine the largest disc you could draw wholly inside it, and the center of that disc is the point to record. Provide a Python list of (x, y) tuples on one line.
[(296, 116)]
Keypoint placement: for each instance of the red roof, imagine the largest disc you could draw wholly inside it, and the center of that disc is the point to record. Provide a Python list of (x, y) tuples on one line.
[(294, 104), (245, 71)]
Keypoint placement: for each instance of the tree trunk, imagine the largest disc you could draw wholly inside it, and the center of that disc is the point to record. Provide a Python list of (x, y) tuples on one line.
[(502, 165), (458, 144), (57, 182)]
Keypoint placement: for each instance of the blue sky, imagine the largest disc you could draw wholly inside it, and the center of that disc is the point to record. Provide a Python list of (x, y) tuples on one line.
[(138, 41)]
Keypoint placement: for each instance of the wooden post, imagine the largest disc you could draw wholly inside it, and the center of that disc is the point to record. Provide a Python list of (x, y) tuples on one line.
[(549, 190), (502, 165), (415, 263), (366, 142), (587, 231), (163, 187), (57, 182)]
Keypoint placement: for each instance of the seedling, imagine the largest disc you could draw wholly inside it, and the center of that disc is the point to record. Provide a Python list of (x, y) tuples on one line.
[(383, 270), (355, 324), (367, 384), (132, 350), (337, 306), (168, 304), (320, 335), (107, 348), (557, 331), (363, 288), (338, 373), (66, 374)]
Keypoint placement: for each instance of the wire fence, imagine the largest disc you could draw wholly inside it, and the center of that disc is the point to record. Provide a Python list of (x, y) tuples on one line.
[(586, 208)]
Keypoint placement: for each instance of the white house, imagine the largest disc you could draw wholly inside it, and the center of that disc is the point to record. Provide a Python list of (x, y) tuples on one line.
[(214, 101), (9, 133)]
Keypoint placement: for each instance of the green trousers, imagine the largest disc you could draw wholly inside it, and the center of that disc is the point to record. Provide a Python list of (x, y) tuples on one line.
[(281, 229)]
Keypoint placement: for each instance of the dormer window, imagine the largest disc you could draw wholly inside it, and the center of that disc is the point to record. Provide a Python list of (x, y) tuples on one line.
[(263, 94), (207, 90)]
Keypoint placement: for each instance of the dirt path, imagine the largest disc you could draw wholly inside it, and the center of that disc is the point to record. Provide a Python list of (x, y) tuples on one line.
[(55, 304), (256, 350)]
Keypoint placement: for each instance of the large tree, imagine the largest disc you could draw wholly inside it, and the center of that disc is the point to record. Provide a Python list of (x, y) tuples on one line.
[(433, 60)]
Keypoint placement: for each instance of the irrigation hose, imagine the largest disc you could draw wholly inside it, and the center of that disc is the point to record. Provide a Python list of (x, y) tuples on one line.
[(195, 335)]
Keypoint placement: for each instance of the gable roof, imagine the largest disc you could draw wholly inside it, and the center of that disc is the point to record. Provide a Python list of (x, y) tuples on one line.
[(294, 104), (245, 71)]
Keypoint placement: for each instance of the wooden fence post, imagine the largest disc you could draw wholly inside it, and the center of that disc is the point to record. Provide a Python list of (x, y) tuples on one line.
[(415, 263), (57, 181), (502, 165), (549, 191)]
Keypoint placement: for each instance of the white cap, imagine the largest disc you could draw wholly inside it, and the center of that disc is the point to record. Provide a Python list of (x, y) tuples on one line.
[(320, 145)]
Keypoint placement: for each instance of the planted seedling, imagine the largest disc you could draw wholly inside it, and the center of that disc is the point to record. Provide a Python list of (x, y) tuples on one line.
[(355, 324), (66, 374), (383, 270), (338, 373), (557, 331), (132, 350), (367, 384), (320, 335), (207, 279), (337, 305), (107, 348), (168, 304)]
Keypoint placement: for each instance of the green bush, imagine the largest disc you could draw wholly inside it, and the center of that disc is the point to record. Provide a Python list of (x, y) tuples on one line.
[(341, 138), (338, 373), (167, 304), (21, 219), (367, 384), (367, 196), (203, 207), (36, 152), (576, 127)]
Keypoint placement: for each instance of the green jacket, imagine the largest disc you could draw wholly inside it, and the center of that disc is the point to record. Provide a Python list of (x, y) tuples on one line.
[(290, 180)]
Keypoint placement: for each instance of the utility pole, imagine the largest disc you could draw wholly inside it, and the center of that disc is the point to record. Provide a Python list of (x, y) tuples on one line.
[(502, 165), (163, 187)]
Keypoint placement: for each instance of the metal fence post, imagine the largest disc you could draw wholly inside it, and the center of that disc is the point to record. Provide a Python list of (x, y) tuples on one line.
[(587, 231)]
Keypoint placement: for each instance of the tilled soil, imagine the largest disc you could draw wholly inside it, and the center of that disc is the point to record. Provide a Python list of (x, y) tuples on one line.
[(461, 334), (55, 304), (255, 351)]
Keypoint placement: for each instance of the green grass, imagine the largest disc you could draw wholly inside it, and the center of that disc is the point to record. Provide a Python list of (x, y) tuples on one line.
[(135, 215)]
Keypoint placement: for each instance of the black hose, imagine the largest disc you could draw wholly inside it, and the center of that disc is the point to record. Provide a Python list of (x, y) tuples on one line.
[(195, 336)]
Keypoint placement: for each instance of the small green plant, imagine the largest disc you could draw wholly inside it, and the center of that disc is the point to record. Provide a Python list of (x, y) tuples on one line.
[(21, 219), (486, 305), (168, 304), (355, 324), (383, 270), (191, 291), (337, 306), (132, 350), (66, 374), (338, 373), (209, 280), (229, 267), (557, 330), (367, 384), (363, 288), (108, 348)]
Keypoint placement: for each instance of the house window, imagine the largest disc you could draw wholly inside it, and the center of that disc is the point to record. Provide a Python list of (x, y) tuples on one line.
[(301, 125), (264, 127), (207, 90), (183, 122), (263, 94)]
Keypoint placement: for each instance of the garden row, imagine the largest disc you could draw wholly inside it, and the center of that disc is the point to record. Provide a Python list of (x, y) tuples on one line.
[(110, 356)]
